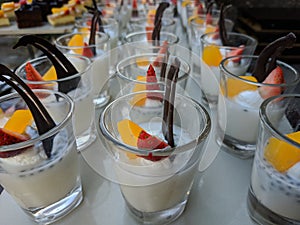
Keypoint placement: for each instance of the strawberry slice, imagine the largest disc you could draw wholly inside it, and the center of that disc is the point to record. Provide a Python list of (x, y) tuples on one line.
[(151, 78), (236, 52), (87, 52), (275, 77), (8, 137), (209, 19), (150, 142), (33, 75), (163, 50)]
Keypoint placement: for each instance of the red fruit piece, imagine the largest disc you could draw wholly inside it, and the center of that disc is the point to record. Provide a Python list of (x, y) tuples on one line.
[(236, 52), (87, 52), (33, 75), (149, 142), (209, 19), (151, 78), (8, 137), (163, 50), (200, 9), (275, 77)]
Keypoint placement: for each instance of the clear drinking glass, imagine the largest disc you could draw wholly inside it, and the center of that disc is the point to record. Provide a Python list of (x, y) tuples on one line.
[(238, 114), (274, 194), (46, 188), (81, 94), (155, 191), (100, 61), (212, 53)]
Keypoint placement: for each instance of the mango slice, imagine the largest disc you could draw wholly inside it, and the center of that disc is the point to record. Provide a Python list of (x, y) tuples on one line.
[(77, 41), (50, 74), (139, 100), (142, 62), (235, 86), (282, 155), (129, 132), (19, 121), (211, 55)]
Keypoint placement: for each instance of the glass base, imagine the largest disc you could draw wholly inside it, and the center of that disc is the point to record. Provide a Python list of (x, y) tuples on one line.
[(56, 211), (85, 139), (235, 147), (262, 215), (157, 218)]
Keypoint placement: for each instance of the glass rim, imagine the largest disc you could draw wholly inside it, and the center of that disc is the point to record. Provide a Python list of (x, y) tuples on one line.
[(139, 33), (112, 22), (145, 55), (45, 58), (204, 41), (56, 129), (267, 123), (294, 82), (203, 134), (103, 40)]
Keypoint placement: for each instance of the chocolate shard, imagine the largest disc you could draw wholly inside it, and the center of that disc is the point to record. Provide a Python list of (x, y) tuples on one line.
[(293, 115), (64, 68), (42, 118), (266, 61), (157, 20), (168, 110), (222, 28)]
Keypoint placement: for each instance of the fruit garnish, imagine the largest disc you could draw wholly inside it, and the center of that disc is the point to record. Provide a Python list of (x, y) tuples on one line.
[(151, 78), (42, 118), (211, 55), (163, 50), (33, 75), (236, 52), (133, 135), (64, 68), (19, 121), (235, 86), (275, 77), (50, 74), (266, 61), (87, 52), (282, 155), (150, 142), (139, 100), (8, 137), (142, 61), (76, 41), (135, 12)]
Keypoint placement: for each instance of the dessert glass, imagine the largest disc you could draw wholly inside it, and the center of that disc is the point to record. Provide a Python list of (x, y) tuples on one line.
[(131, 71), (46, 188), (82, 94), (238, 114), (156, 192), (109, 25), (274, 193), (212, 53), (100, 61)]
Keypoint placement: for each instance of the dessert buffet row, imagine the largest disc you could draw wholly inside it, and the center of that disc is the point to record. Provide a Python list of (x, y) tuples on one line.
[(34, 13)]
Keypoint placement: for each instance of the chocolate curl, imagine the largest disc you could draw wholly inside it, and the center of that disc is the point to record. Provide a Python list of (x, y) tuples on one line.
[(266, 61), (168, 111), (64, 68), (42, 119), (157, 20), (222, 28), (163, 68)]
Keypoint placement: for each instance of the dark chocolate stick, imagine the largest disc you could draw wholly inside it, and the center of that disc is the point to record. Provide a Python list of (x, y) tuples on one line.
[(263, 66), (157, 20), (168, 111), (222, 28), (164, 66), (64, 68), (42, 119)]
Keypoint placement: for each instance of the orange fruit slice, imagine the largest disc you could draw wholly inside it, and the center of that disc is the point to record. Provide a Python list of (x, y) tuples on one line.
[(211, 55), (282, 155), (76, 41), (19, 121), (129, 132), (50, 74), (235, 86), (139, 100)]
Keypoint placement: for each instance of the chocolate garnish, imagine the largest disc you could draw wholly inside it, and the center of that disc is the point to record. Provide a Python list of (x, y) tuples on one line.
[(96, 19), (157, 20), (97, 14), (266, 61), (292, 113), (42, 119), (64, 68), (164, 65), (222, 28), (168, 111)]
